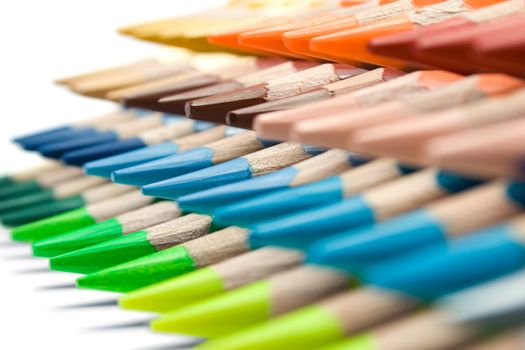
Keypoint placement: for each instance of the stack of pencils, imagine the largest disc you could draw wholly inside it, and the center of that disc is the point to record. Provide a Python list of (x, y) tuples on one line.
[(345, 175)]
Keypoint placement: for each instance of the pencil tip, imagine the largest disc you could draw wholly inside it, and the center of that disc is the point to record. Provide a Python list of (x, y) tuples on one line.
[(175, 292), (220, 174), (165, 168), (84, 155)]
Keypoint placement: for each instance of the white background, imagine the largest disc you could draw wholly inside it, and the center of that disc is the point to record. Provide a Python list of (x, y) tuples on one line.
[(41, 41)]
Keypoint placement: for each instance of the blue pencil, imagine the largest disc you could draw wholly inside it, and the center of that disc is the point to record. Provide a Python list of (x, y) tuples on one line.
[(441, 269), (329, 190), (245, 167), (300, 229), (89, 127), (151, 129), (310, 170), (435, 223), (153, 146), (195, 159)]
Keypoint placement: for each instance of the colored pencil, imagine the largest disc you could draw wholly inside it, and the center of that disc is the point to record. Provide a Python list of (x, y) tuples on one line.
[(42, 210), (36, 179), (244, 116), (251, 165), (134, 245), (403, 138), (278, 125), (103, 167), (81, 217), (335, 316), (337, 130), (169, 63), (298, 39), (491, 53), (60, 144), (437, 222), (171, 262), (276, 36), (84, 128), (322, 93), (256, 302), (326, 164), (215, 108), (298, 230), (439, 270), (238, 144), (76, 186), (497, 147), (120, 225), (127, 137), (353, 43), (176, 103), (180, 290), (403, 45), (211, 70), (330, 190), (154, 152), (438, 49)]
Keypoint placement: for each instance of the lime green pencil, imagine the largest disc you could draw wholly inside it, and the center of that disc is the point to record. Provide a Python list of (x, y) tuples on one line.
[(168, 263), (254, 303), (133, 246), (118, 226), (77, 218), (213, 280), (318, 324)]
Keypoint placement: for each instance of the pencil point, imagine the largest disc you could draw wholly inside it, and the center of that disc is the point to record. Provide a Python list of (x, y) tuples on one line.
[(306, 328), (217, 175), (78, 239), (210, 199), (141, 272), (105, 166), (58, 149), (219, 315), (175, 292), (84, 155), (104, 255), (52, 226), (165, 168), (41, 211)]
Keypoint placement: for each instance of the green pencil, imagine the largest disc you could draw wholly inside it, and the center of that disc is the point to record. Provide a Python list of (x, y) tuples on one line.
[(73, 187), (315, 325), (81, 217), (133, 246), (118, 226), (254, 303), (171, 262)]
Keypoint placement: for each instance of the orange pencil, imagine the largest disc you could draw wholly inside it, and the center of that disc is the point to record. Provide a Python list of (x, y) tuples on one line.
[(299, 40), (353, 43), (270, 39)]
